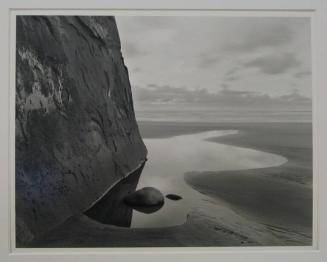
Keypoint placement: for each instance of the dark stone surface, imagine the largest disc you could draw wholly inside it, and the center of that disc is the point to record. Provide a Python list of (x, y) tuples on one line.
[(111, 208), (76, 133), (173, 197), (148, 209), (145, 197)]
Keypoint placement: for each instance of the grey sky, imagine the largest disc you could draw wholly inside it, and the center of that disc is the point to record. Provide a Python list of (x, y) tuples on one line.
[(218, 61)]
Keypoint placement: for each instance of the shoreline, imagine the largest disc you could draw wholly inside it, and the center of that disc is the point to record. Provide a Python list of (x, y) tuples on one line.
[(292, 153), (278, 197), (198, 230)]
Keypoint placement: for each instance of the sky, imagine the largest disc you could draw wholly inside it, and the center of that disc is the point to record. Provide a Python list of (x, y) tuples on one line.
[(217, 63)]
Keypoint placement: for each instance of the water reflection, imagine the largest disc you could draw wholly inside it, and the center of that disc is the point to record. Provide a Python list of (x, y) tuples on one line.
[(149, 209), (111, 209), (169, 160)]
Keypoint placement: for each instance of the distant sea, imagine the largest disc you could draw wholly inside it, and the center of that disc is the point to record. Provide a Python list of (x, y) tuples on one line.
[(214, 116)]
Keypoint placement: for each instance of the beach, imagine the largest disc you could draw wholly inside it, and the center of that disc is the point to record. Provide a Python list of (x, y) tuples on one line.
[(225, 203), (279, 197)]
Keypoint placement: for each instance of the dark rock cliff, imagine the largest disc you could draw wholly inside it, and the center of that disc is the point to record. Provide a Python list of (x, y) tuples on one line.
[(76, 133)]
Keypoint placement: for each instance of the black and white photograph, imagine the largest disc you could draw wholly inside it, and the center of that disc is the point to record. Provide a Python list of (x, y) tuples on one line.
[(163, 131)]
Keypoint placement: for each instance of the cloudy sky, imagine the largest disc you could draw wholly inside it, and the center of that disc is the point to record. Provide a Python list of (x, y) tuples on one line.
[(232, 63)]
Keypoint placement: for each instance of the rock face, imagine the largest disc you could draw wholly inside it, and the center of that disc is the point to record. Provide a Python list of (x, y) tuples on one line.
[(147, 196), (102, 211), (76, 133)]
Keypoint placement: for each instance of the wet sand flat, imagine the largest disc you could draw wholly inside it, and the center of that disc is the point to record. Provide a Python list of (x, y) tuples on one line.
[(170, 158), (254, 207), (278, 197)]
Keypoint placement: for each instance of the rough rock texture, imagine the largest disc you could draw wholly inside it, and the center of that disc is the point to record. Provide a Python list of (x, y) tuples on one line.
[(76, 133), (101, 211)]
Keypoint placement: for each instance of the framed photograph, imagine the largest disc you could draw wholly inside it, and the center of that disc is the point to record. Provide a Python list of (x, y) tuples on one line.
[(163, 130)]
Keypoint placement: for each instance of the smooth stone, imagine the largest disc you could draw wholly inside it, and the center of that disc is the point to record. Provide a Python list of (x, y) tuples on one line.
[(148, 209), (147, 196), (173, 197)]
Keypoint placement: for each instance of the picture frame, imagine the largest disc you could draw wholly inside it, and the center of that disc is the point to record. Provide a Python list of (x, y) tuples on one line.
[(315, 9)]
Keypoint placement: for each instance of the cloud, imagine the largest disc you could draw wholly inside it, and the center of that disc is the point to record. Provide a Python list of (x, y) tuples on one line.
[(156, 94), (252, 36), (136, 69), (263, 54), (224, 85), (170, 96), (207, 60), (131, 50), (231, 78), (268, 33), (302, 74), (274, 64), (233, 71), (294, 97), (149, 23)]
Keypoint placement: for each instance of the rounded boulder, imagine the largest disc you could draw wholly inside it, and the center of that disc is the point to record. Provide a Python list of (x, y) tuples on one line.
[(147, 196)]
